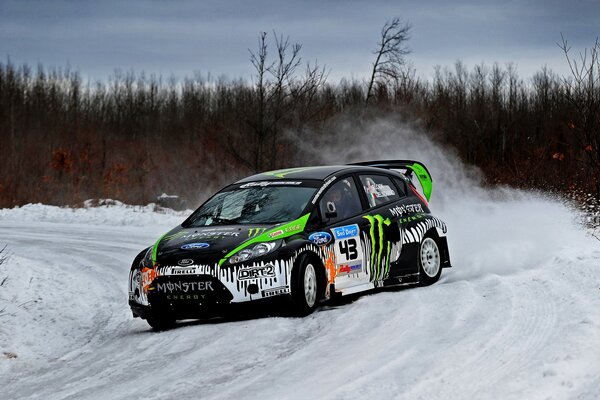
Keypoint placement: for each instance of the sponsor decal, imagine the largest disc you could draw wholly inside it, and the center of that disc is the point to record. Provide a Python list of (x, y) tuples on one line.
[(185, 262), (148, 276), (344, 232), (377, 271), (382, 190), (270, 183), (266, 271), (184, 287), (275, 291), (399, 211), (330, 267), (183, 271), (255, 231), (281, 173), (287, 229), (320, 191), (185, 296), (349, 269), (406, 220), (348, 248), (195, 246), (320, 238), (208, 234), (276, 233), (292, 228), (377, 190)]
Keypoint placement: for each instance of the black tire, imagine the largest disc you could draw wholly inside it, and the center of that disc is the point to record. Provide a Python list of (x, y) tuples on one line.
[(306, 286), (161, 322), (429, 258)]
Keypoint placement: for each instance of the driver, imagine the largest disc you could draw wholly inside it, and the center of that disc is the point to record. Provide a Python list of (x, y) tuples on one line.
[(337, 201)]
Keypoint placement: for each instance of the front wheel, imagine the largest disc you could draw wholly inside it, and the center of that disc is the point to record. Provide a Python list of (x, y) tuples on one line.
[(160, 321), (430, 261), (305, 288)]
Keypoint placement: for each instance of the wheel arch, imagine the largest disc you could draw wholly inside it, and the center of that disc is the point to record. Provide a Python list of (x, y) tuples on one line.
[(138, 259), (440, 238), (319, 265)]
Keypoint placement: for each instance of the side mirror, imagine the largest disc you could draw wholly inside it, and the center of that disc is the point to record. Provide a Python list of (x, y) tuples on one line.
[(331, 212)]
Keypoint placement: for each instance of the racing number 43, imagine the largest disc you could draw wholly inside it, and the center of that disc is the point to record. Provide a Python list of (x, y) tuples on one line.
[(349, 249)]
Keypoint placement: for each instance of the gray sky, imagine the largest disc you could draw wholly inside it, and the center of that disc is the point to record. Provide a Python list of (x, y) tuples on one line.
[(184, 37)]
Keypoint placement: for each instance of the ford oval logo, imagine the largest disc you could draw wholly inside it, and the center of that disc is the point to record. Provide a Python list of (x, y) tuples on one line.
[(194, 246), (320, 238), (185, 262)]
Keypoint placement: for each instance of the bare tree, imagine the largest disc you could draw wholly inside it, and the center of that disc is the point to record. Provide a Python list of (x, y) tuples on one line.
[(583, 92), (390, 54), (278, 94)]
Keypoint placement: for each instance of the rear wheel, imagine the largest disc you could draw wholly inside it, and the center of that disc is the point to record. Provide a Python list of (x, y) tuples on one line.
[(306, 289), (430, 261)]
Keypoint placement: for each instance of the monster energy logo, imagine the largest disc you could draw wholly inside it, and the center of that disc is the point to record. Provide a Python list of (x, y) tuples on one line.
[(378, 271), (255, 231)]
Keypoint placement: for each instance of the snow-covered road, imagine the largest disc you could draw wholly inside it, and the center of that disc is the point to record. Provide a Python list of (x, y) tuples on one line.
[(518, 317)]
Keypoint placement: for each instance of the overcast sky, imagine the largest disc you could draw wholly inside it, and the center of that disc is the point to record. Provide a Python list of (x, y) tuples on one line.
[(210, 36)]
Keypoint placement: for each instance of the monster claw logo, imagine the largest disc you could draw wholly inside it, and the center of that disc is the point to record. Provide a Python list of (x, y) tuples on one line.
[(255, 231), (378, 244)]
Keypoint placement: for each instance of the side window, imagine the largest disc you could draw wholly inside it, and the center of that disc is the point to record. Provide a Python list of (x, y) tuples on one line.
[(379, 189), (341, 201), (401, 185)]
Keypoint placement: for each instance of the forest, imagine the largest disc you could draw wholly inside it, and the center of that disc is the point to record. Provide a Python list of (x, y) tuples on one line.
[(135, 136)]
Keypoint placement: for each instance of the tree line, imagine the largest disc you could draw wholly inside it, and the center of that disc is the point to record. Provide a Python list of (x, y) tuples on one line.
[(135, 136)]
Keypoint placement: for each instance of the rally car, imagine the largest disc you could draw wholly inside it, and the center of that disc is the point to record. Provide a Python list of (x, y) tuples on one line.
[(304, 234)]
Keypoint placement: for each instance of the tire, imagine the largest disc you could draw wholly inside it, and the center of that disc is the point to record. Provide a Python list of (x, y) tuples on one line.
[(430, 261), (306, 288), (161, 322)]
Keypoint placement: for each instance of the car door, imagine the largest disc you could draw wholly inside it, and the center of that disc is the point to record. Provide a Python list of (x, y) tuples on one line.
[(384, 242), (341, 211)]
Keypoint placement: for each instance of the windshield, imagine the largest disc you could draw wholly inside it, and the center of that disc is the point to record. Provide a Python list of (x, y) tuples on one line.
[(252, 205)]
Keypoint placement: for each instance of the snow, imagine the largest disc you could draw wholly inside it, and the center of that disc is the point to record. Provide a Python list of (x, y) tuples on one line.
[(517, 317), (109, 212)]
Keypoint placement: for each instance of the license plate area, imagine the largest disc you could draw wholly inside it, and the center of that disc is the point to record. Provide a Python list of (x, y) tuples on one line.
[(191, 289)]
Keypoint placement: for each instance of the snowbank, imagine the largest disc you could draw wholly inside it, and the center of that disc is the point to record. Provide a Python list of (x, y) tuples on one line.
[(103, 212)]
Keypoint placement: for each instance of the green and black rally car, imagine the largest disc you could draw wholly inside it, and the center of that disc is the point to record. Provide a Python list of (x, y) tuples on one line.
[(306, 234)]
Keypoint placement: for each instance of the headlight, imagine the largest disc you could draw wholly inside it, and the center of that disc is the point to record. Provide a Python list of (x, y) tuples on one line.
[(252, 252), (147, 261)]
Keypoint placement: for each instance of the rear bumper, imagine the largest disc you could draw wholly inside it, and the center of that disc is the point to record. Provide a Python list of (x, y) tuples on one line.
[(445, 252)]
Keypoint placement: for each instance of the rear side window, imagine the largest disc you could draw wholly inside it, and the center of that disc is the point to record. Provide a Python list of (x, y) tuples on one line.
[(379, 189)]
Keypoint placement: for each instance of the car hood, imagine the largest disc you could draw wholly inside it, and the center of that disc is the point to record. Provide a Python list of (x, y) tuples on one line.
[(204, 243)]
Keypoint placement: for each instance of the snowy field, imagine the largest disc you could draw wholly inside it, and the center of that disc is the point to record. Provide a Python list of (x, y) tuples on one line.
[(518, 317)]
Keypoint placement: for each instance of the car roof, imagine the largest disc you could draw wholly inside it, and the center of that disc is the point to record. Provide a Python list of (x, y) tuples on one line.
[(317, 172)]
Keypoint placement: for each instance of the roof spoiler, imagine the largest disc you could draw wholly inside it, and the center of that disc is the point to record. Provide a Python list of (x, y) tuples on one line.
[(408, 167)]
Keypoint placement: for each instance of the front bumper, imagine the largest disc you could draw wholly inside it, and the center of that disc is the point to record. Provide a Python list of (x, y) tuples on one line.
[(200, 288)]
